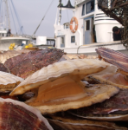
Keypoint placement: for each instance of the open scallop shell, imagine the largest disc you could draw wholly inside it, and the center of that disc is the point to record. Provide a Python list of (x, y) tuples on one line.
[(8, 81), (15, 115), (52, 72), (110, 76), (59, 88)]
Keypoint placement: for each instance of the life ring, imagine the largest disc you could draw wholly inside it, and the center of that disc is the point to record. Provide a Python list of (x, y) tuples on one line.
[(73, 29)]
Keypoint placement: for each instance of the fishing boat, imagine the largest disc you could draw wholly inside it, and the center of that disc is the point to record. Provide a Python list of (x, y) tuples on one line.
[(88, 29), (8, 9)]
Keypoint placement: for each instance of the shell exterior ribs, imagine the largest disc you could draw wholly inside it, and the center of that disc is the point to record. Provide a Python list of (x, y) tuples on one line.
[(3, 68), (15, 115), (25, 64), (114, 57), (4, 55)]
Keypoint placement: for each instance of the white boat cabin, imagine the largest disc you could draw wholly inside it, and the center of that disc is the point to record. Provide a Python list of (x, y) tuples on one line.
[(91, 26)]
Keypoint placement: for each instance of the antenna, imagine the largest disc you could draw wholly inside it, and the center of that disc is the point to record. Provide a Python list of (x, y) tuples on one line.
[(59, 22), (6, 3)]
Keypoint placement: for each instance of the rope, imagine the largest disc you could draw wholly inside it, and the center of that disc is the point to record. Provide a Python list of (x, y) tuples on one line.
[(17, 17), (43, 17)]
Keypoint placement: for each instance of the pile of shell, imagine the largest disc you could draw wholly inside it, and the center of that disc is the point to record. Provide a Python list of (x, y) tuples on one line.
[(47, 91)]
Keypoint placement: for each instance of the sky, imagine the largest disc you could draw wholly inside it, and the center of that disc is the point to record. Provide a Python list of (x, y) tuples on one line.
[(30, 13)]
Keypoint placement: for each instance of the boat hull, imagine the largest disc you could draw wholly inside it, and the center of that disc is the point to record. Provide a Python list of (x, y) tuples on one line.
[(6, 41)]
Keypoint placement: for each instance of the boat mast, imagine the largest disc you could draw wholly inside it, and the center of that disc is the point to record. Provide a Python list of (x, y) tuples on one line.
[(59, 22), (8, 18)]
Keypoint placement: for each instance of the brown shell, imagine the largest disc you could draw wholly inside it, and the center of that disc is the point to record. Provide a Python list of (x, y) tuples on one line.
[(114, 57), (4, 55), (78, 67), (113, 109), (110, 76), (3, 68), (81, 124), (15, 115), (25, 64), (8, 81)]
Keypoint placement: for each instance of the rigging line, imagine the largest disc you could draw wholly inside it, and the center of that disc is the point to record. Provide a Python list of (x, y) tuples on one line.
[(13, 19), (43, 18), (17, 17), (7, 14)]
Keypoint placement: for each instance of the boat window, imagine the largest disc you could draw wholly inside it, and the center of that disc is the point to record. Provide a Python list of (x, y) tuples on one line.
[(72, 39), (90, 6), (83, 10), (105, 3), (67, 26), (88, 25)]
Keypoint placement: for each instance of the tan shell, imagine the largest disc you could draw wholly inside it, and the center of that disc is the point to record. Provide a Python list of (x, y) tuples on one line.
[(55, 100), (110, 76), (4, 55), (8, 81), (59, 123), (73, 67)]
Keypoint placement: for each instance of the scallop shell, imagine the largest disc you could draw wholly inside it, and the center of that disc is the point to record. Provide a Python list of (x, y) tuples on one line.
[(110, 76), (15, 115), (59, 87), (105, 118), (113, 109), (114, 57), (4, 55), (52, 72), (8, 81), (79, 124), (26, 64), (3, 68)]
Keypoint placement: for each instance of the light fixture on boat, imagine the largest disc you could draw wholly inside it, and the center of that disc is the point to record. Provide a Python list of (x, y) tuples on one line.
[(67, 6)]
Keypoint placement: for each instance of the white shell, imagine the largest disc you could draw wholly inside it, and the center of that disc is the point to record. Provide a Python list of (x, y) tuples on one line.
[(7, 78)]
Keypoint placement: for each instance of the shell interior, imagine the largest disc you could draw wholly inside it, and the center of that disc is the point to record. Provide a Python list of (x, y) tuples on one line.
[(110, 76), (77, 69)]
